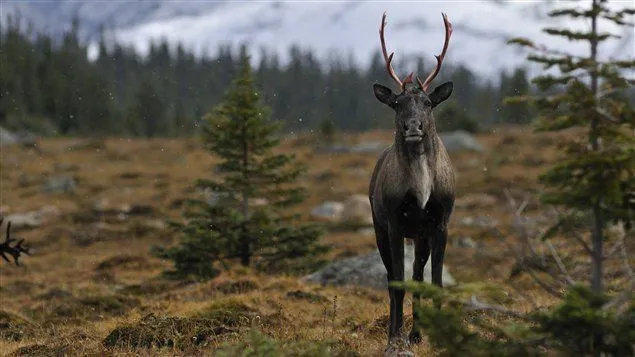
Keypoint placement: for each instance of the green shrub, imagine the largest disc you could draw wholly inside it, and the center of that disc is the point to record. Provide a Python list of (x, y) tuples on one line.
[(580, 325)]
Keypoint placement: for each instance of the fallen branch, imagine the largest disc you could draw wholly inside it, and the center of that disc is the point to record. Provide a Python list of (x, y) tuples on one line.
[(607, 116), (475, 305), (520, 261), (582, 242)]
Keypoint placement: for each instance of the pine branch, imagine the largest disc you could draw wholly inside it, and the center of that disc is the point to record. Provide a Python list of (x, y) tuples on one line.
[(571, 12), (524, 42), (618, 17), (578, 35)]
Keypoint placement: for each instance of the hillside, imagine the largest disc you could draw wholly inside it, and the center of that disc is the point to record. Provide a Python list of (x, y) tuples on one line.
[(346, 28), (91, 271)]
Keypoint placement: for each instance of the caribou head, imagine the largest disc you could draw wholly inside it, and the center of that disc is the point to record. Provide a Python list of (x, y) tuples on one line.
[(413, 105)]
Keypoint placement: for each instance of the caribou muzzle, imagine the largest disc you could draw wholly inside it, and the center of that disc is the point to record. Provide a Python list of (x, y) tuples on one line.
[(413, 131)]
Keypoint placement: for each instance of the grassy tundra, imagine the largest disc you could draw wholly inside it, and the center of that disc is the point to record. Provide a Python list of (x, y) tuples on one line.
[(91, 286)]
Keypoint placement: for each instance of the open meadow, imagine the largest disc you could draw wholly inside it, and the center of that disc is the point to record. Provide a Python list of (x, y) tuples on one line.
[(92, 209)]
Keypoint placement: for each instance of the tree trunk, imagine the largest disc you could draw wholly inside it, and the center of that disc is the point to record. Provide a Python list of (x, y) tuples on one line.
[(245, 244), (598, 224)]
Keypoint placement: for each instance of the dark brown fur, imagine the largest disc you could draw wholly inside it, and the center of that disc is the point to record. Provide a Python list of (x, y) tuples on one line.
[(412, 193)]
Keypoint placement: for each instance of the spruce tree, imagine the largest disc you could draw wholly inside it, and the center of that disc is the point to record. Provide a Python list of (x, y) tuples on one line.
[(250, 224), (594, 176)]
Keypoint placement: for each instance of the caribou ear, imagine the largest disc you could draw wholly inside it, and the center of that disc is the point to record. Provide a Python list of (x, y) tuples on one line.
[(384, 95), (440, 93)]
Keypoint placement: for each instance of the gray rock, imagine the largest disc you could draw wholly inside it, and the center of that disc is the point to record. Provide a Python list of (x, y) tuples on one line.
[(465, 242), (25, 220), (32, 219), (460, 141), (329, 210), (478, 222), (60, 184), (369, 270), (356, 209), (7, 137)]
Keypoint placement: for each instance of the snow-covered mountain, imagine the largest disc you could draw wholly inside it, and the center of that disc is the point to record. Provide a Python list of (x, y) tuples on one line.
[(346, 28)]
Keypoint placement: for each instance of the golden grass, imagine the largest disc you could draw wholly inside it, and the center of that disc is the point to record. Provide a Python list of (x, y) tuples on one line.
[(159, 173)]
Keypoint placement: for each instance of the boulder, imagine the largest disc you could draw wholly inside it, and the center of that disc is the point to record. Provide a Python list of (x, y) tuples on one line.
[(25, 220), (60, 184), (465, 242), (32, 219), (356, 209), (478, 222), (460, 141), (329, 210), (7, 137), (368, 270)]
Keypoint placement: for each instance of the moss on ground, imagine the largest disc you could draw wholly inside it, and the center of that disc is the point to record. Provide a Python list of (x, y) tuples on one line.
[(229, 311), (15, 328), (176, 332)]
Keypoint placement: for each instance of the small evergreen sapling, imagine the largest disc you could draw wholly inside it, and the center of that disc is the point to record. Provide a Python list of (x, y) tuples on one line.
[(257, 186), (596, 172)]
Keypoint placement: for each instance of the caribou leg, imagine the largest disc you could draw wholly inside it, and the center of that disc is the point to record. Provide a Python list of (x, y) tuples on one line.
[(438, 252), (422, 253), (396, 294)]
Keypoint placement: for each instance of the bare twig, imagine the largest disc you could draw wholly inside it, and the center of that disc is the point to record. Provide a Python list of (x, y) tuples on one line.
[(603, 93), (561, 266), (520, 261), (613, 250), (607, 116), (580, 239)]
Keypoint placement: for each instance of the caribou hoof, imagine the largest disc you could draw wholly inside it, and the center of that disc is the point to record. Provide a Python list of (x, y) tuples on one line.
[(393, 351), (414, 337), (397, 347)]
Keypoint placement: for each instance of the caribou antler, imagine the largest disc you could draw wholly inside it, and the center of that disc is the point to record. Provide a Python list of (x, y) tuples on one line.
[(15, 250), (448, 32), (388, 58)]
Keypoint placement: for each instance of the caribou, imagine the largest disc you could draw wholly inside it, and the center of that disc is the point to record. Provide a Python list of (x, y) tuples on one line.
[(412, 187)]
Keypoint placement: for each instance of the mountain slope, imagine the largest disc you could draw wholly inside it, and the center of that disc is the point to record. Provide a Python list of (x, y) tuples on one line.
[(344, 28)]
